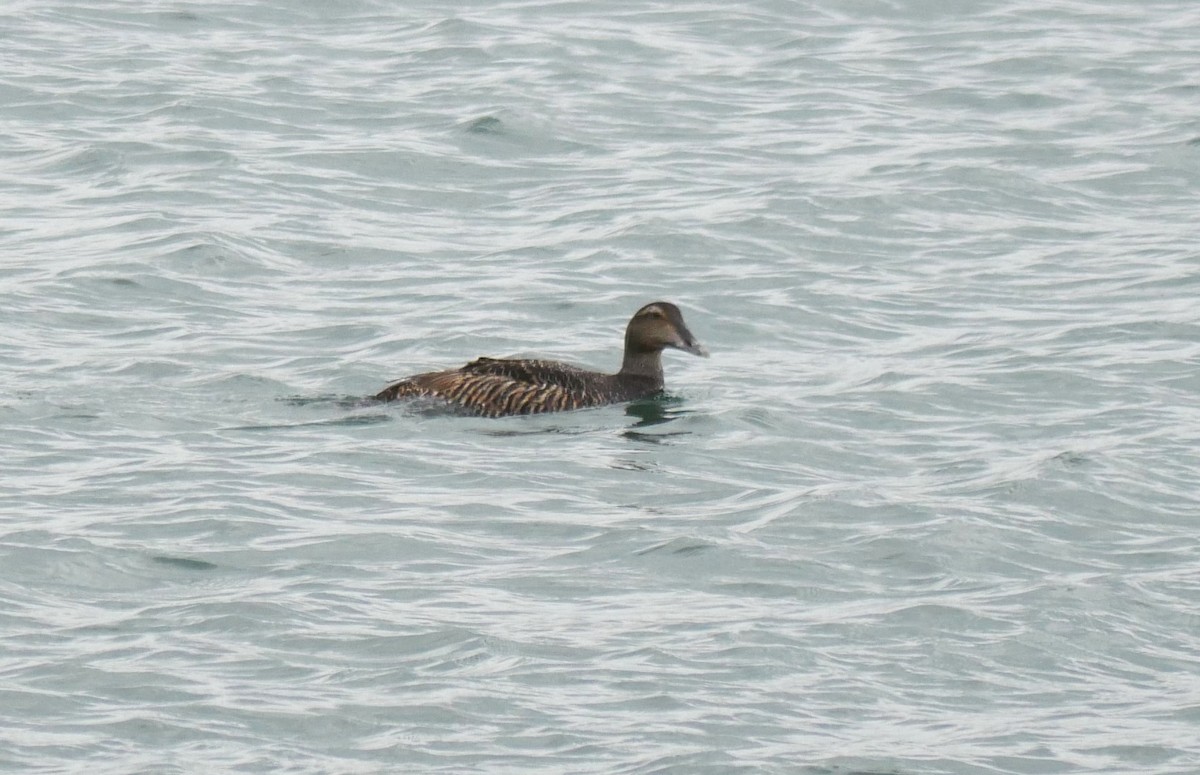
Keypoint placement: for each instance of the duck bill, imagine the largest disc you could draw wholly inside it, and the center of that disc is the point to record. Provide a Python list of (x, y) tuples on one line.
[(688, 344)]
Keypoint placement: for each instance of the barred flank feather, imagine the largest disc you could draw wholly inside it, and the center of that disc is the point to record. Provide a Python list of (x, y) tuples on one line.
[(491, 395), (496, 387)]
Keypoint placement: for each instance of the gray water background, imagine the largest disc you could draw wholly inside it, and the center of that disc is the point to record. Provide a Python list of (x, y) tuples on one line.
[(931, 507)]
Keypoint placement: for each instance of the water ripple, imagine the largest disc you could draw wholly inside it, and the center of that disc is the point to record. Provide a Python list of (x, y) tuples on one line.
[(929, 507)]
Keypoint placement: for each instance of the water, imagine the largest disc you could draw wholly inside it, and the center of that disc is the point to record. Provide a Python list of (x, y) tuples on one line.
[(929, 508)]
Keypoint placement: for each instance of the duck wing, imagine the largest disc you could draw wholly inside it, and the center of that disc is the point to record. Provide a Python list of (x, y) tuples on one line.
[(536, 372)]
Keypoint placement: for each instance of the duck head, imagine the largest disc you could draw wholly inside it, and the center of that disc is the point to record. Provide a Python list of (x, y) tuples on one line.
[(659, 325)]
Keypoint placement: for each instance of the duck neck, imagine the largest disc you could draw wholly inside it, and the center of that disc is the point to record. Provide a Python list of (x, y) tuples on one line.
[(643, 363)]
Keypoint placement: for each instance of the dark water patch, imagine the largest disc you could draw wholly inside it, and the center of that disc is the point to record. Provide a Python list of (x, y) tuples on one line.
[(330, 400), (184, 563), (554, 430), (677, 546), (485, 125), (652, 438)]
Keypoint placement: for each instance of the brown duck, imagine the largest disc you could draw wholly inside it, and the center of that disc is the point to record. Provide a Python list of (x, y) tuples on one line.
[(496, 387)]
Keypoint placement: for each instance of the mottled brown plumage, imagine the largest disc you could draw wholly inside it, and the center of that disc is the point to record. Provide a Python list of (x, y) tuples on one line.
[(496, 387)]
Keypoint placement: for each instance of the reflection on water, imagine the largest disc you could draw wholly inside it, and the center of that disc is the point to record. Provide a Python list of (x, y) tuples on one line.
[(649, 412), (655, 411)]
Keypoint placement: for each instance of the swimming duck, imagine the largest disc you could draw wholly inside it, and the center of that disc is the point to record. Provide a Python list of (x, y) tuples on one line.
[(497, 387)]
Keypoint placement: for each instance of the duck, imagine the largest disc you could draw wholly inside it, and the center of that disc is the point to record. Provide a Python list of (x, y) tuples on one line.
[(501, 387)]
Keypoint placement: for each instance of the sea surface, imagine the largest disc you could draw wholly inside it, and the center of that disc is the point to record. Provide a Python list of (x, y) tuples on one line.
[(932, 506)]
